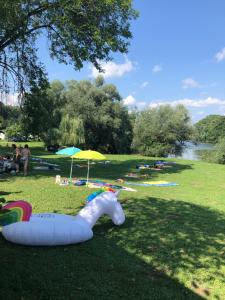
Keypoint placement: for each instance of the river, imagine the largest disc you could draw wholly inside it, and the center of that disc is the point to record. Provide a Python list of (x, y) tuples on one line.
[(190, 150)]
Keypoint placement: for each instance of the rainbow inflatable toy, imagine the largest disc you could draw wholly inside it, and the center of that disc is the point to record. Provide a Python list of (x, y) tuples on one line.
[(52, 229), (14, 212)]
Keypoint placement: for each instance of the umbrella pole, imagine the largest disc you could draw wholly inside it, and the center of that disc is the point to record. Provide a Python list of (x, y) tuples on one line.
[(71, 171), (87, 174)]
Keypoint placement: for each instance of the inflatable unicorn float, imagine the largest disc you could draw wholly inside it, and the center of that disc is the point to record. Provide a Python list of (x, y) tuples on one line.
[(50, 229)]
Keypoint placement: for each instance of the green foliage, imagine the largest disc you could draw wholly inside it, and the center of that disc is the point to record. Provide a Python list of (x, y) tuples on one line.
[(42, 111), (99, 81), (9, 115), (210, 129), (105, 120), (160, 131), (1, 122), (218, 155), (77, 31), (51, 136), (14, 130), (71, 131), (85, 113), (37, 108)]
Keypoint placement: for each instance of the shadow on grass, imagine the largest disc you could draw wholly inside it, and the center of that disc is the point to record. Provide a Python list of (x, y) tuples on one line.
[(100, 270), (175, 236), (116, 169), (5, 193), (140, 260)]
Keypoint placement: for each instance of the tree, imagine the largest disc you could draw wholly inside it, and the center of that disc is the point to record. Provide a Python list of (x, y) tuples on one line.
[(219, 153), (162, 130), (77, 31), (210, 129), (36, 110), (105, 120), (85, 114), (71, 131), (9, 115), (14, 130), (42, 111)]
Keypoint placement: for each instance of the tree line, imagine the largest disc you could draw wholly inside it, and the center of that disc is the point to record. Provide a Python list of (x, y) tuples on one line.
[(91, 115)]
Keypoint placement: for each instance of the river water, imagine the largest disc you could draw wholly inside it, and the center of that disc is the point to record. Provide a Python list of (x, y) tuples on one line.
[(190, 150)]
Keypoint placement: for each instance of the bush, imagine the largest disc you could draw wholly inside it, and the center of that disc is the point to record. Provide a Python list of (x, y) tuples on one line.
[(217, 155), (14, 132), (220, 152)]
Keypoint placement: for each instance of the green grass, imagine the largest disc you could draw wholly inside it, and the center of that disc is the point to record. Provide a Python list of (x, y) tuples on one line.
[(170, 247)]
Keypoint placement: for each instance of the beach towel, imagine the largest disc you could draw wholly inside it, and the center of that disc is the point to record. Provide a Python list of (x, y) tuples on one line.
[(152, 183)]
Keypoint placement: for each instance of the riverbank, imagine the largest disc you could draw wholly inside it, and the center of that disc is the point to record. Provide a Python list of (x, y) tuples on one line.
[(195, 151)]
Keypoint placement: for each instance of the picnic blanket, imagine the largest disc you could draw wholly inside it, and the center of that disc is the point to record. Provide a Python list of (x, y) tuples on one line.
[(116, 187), (99, 183), (153, 183)]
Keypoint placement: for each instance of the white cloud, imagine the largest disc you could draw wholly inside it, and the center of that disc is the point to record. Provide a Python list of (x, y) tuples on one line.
[(191, 102), (144, 84), (220, 55), (190, 83), (156, 69), (111, 69), (129, 100), (10, 99), (141, 104)]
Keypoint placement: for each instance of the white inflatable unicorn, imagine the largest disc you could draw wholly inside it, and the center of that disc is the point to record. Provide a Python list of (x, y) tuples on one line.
[(49, 229)]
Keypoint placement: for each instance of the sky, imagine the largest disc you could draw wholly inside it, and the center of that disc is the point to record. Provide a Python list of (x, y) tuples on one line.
[(176, 55)]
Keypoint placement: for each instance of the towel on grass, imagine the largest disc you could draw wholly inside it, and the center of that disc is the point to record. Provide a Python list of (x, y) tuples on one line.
[(153, 183)]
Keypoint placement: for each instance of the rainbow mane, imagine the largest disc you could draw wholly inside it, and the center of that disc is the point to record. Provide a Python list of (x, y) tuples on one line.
[(14, 212), (92, 196)]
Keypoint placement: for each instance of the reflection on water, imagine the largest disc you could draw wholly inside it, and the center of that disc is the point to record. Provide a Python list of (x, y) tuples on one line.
[(190, 150)]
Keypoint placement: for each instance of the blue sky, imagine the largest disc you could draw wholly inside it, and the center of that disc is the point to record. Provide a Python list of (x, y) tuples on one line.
[(177, 55)]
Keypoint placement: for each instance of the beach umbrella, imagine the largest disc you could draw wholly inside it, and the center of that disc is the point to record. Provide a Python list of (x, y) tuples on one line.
[(69, 151), (89, 155)]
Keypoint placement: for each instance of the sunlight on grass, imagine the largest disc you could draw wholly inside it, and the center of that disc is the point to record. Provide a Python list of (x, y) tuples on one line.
[(170, 247)]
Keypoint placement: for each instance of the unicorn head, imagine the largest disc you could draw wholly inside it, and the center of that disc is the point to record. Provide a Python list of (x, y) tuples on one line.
[(105, 203)]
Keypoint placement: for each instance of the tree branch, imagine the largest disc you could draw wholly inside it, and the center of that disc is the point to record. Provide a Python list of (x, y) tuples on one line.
[(15, 32), (16, 36)]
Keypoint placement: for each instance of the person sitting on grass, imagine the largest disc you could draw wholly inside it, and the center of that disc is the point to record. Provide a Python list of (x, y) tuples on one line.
[(25, 158)]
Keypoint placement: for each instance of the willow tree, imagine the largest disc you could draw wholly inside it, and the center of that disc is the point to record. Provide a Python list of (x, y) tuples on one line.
[(105, 120), (162, 130), (77, 31), (71, 131)]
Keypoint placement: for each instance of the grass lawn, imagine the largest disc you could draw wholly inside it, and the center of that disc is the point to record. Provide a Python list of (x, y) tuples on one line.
[(172, 245)]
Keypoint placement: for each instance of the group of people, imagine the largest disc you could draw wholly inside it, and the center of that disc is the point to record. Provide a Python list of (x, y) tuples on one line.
[(21, 156)]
